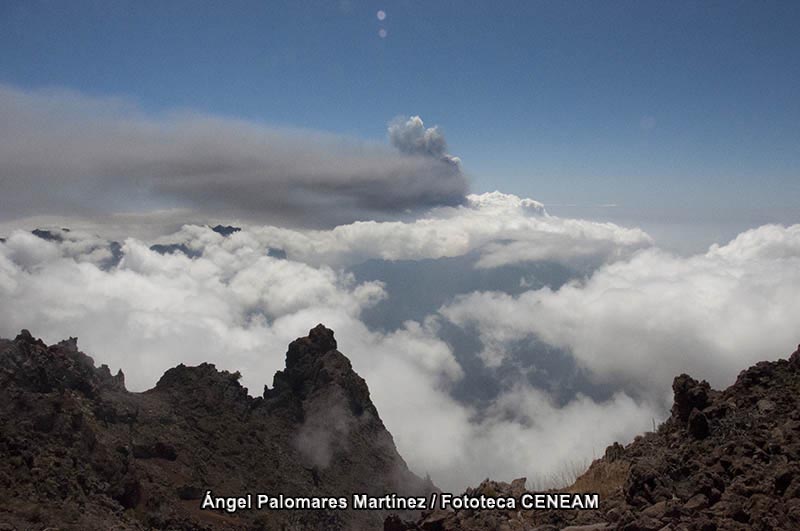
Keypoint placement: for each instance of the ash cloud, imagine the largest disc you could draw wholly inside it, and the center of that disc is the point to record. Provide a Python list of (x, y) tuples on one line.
[(410, 136), (66, 153)]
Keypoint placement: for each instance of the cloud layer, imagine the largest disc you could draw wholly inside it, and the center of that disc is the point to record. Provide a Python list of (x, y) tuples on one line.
[(637, 323), (634, 318), (237, 306), (64, 153), (502, 228)]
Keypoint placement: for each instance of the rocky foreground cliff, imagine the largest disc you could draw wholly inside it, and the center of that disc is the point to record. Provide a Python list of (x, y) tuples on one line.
[(724, 460), (80, 452)]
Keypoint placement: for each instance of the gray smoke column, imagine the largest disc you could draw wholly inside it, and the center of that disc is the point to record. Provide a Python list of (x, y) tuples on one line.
[(65, 153), (410, 136)]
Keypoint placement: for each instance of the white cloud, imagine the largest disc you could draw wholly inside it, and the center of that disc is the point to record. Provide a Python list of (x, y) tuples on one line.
[(239, 308), (636, 322), (28, 250), (167, 307), (503, 228), (640, 322)]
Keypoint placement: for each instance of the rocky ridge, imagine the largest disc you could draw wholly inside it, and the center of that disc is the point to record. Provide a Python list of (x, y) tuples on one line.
[(724, 460), (80, 452)]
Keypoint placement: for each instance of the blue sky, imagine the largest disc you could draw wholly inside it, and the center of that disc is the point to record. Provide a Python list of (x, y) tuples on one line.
[(677, 112)]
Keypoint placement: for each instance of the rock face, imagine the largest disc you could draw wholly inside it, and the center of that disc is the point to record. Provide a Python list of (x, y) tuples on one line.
[(80, 452), (724, 460)]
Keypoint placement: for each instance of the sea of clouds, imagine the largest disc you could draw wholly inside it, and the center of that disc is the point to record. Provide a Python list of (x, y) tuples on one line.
[(637, 319), (497, 340)]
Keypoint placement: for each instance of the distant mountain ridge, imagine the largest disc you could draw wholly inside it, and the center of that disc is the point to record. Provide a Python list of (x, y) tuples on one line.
[(81, 452)]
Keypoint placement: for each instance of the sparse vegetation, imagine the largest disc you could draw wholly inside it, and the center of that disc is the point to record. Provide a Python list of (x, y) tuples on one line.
[(602, 477), (561, 479)]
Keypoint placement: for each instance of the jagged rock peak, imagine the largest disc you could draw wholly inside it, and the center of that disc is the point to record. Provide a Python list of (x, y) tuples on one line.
[(25, 336), (689, 395), (794, 358), (204, 379), (302, 366), (182, 374), (314, 368), (319, 341), (61, 366), (83, 452)]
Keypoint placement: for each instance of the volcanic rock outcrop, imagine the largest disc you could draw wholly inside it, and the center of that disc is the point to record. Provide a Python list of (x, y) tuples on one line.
[(80, 452), (724, 460)]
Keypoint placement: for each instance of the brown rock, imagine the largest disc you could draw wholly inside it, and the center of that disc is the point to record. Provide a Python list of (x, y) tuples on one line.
[(614, 452), (689, 394), (82, 453), (794, 358), (698, 424), (698, 502), (518, 487)]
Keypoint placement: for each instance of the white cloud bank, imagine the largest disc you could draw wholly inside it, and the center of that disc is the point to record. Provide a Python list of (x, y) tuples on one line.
[(640, 322), (637, 321), (239, 308), (502, 228)]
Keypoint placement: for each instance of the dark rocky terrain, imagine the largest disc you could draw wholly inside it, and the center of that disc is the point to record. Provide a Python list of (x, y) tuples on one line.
[(80, 452), (724, 460)]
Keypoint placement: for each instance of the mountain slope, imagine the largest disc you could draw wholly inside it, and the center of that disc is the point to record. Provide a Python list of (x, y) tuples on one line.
[(724, 460), (81, 452)]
